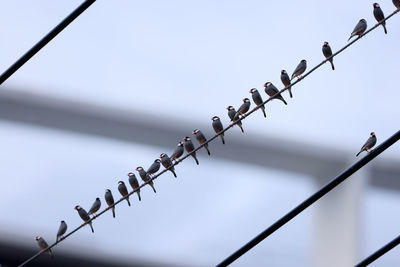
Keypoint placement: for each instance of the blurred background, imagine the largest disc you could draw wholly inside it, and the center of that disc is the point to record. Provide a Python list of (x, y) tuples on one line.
[(128, 79)]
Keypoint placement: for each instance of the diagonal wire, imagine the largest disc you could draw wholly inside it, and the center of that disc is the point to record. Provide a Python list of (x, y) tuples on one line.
[(45, 40), (380, 252), (212, 138)]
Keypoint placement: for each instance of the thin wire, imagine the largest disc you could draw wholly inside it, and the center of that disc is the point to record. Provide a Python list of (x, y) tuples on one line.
[(210, 140), (377, 254), (45, 40)]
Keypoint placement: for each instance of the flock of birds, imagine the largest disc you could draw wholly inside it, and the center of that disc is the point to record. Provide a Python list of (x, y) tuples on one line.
[(234, 115)]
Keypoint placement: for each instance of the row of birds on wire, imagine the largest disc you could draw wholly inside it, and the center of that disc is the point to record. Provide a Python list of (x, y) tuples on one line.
[(187, 144)]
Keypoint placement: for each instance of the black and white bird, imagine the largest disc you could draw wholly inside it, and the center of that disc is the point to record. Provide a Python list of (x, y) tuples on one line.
[(300, 69), (84, 216), (134, 183), (146, 177), (369, 144), (123, 191), (61, 231), (110, 200), (231, 114), (271, 90), (154, 167), (217, 125), (379, 16), (243, 108), (190, 148), (95, 207), (43, 245), (286, 81), (178, 151), (359, 29), (327, 51), (167, 163), (201, 139), (256, 96)]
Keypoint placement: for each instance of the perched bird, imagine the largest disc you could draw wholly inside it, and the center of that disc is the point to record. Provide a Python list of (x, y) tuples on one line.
[(110, 200), (300, 69), (190, 147), (154, 167), (201, 139), (178, 151), (134, 183), (231, 114), (95, 207), (271, 90), (396, 3), (146, 177), (124, 191), (286, 81), (84, 216), (43, 245), (61, 231), (167, 163), (243, 108), (369, 144), (359, 29), (379, 16), (327, 51), (258, 99), (217, 125)]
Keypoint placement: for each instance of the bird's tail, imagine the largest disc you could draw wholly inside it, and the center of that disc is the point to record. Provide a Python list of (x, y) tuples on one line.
[(208, 151), (195, 158), (384, 28), (91, 226), (281, 98), (129, 203), (333, 66), (290, 92), (351, 36), (222, 138), (57, 239), (263, 110), (173, 172), (241, 128), (359, 153), (152, 186), (138, 193), (51, 254), (113, 211)]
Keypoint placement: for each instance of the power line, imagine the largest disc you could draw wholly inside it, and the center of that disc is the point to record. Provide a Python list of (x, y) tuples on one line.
[(223, 131), (45, 40), (377, 254)]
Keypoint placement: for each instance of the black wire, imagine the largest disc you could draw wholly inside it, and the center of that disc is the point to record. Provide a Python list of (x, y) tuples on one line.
[(45, 40)]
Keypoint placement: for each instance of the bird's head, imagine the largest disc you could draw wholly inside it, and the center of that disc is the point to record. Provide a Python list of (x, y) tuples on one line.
[(77, 207), (325, 43), (139, 168), (195, 131), (252, 90), (157, 160), (180, 143), (228, 108), (245, 100), (215, 118), (162, 155), (108, 190), (375, 4), (120, 182), (97, 198), (129, 174), (267, 84), (283, 71), (37, 238), (303, 61), (372, 134)]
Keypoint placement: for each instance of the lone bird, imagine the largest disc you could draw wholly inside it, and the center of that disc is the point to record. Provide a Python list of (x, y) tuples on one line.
[(369, 144), (43, 245), (379, 16), (359, 29), (61, 231), (201, 139), (286, 81), (84, 216), (178, 151), (300, 69), (123, 191), (167, 163), (271, 90), (327, 51), (110, 200), (134, 183), (255, 95), (95, 207), (243, 108), (217, 125)]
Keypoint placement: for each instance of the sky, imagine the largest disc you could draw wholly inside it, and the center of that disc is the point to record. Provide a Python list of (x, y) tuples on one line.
[(190, 60)]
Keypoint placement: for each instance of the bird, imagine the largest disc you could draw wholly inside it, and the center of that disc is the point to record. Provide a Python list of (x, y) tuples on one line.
[(258, 100), (271, 90), (327, 51), (124, 191), (167, 163), (369, 144), (61, 230), (134, 183), (154, 167), (300, 69), (359, 29), (396, 3), (201, 139), (217, 125), (84, 216), (190, 148), (243, 108), (110, 200), (146, 177), (379, 16), (178, 151), (231, 114), (43, 245), (286, 81), (95, 207)]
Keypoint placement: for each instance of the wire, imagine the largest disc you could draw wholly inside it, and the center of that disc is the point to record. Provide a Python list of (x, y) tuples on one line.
[(377, 254), (216, 136), (45, 40)]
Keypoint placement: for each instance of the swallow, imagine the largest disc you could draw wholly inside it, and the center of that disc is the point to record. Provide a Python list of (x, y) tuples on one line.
[(379, 16), (300, 69), (84, 216), (61, 231), (43, 245), (396, 3), (154, 167), (201, 139), (286, 81), (217, 125), (110, 200), (124, 191), (190, 148), (167, 163), (146, 177), (369, 144), (271, 90), (359, 29), (231, 114), (134, 184), (327, 51), (243, 108), (258, 100), (178, 151)]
